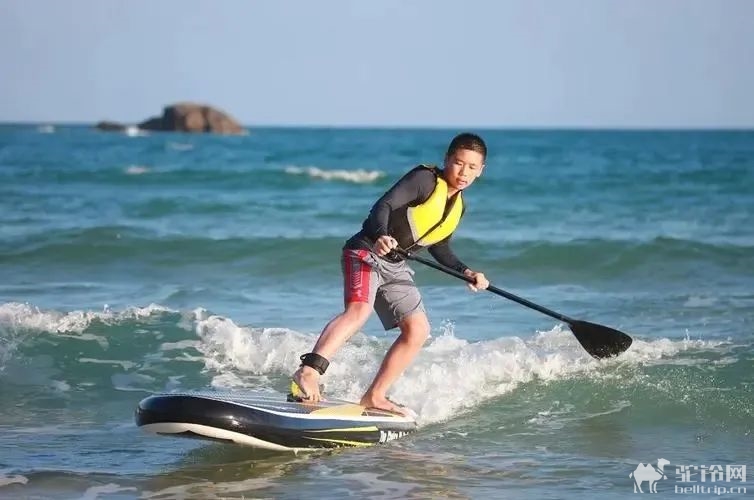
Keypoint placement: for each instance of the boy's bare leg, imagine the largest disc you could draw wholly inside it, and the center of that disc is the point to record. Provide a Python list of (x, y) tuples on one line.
[(414, 332), (334, 335)]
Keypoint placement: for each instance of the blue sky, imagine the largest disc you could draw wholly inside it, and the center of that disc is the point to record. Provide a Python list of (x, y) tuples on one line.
[(495, 63)]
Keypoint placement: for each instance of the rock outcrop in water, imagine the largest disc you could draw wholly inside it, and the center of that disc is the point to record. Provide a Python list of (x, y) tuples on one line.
[(185, 117), (109, 126)]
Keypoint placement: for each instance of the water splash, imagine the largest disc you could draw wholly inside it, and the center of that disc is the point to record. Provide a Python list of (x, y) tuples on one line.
[(359, 176)]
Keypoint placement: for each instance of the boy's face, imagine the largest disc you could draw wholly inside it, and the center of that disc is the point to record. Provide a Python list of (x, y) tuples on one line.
[(462, 168)]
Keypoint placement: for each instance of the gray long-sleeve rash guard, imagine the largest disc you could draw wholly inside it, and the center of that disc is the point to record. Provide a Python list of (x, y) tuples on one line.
[(412, 189)]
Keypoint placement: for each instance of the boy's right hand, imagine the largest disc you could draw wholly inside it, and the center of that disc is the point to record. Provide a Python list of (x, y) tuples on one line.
[(307, 379), (384, 245)]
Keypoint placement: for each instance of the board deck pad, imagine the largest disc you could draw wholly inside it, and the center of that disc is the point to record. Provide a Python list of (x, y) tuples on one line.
[(269, 421)]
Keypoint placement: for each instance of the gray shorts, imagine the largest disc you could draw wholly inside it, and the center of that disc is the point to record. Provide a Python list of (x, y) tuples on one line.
[(388, 286)]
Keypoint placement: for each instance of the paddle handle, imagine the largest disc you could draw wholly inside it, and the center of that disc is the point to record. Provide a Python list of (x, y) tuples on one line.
[(493, 289)]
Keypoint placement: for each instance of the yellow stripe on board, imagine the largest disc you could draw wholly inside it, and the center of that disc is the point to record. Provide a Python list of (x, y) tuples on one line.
[(343, 441)]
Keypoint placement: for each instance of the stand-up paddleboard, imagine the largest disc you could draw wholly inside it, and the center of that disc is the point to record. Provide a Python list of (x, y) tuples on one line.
[(266, 421)]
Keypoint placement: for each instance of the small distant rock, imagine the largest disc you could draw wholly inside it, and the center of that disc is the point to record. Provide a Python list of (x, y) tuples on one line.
[(184, 117), (110, 126)]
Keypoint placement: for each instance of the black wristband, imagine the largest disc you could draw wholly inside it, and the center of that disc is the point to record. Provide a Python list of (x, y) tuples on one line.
[(315, 361)]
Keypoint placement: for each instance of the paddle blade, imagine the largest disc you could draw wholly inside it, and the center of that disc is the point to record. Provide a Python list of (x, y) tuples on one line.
[(600, 341)]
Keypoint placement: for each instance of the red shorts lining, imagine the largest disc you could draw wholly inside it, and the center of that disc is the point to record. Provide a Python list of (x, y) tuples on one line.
[(357, 276)]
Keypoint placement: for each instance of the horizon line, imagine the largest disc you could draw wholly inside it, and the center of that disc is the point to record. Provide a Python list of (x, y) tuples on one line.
[(627, 128)]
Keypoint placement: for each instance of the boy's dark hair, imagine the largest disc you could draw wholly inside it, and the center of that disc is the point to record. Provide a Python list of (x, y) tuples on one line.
[(467, 141)]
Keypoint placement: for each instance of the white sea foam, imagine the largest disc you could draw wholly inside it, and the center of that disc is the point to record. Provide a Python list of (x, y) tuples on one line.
[(560, 414), (180, 345), (659, 351), (450, 374), (94, 492), (16, 316), (132, 381), (697, 301), (134, 131), (256, 351), (126, 365), (15, 478), (60, 385), (136, 170), (19, 320), (359, 176), (215, 489)]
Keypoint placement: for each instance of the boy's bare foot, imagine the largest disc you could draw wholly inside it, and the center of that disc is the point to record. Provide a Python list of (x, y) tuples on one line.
[(307, 379), (383, 403)]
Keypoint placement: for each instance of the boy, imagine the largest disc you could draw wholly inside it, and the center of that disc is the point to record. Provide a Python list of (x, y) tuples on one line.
[(421, 210)]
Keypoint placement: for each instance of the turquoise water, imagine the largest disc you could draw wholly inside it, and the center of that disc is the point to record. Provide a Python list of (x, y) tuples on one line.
[(137, 264)]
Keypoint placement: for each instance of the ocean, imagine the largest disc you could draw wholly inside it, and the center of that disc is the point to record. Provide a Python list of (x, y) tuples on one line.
[(133, 264)]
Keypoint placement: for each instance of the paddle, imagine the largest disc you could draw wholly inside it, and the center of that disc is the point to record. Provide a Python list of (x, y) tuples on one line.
[(598, 340)]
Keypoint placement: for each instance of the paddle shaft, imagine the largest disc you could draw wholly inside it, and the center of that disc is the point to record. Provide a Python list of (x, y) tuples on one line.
[(493, 289)]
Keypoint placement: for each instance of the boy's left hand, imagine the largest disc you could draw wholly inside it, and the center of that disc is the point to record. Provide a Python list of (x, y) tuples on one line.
[(480, 282)]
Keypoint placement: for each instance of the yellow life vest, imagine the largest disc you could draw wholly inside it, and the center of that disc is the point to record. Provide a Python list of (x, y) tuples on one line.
[(433, 220)]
